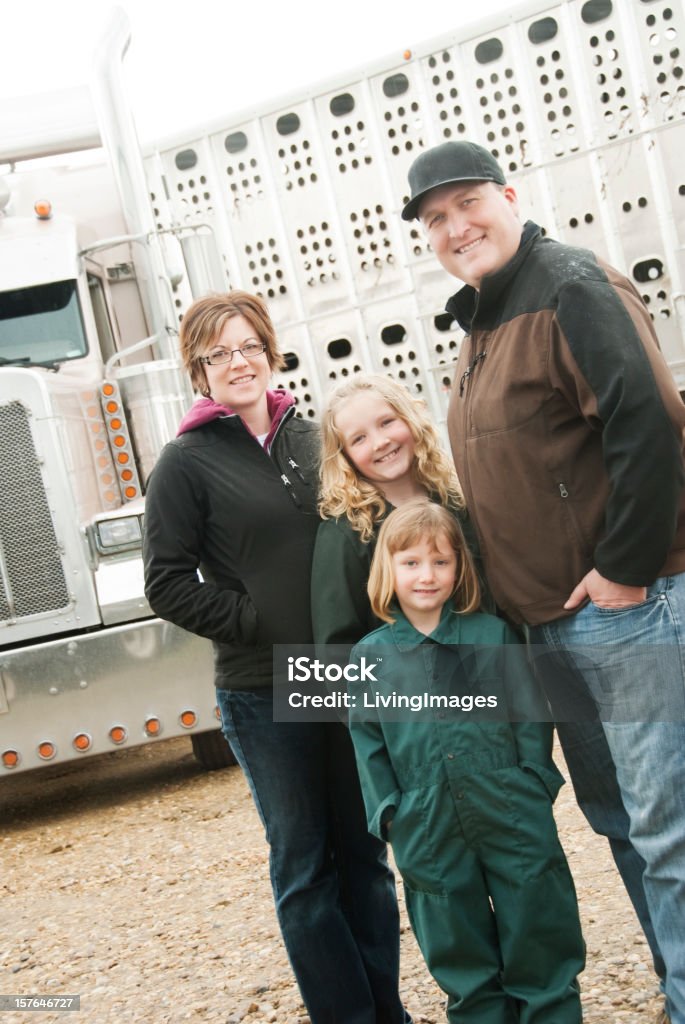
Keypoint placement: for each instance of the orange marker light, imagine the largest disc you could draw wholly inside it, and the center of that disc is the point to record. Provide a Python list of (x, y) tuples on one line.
[(108, 389), (187, 719), (153, 727), (46, 750), (130, 492), (119, 441), (82, 742), (10, 758), (43, 209), (115, 424), (122, 457), (112, 407), (117, 734), (127, 474), (407, 54)]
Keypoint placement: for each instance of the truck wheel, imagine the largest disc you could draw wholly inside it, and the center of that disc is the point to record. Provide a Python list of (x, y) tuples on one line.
[(212, 749)]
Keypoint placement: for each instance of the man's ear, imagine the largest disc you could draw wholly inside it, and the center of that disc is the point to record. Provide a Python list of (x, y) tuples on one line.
[(509, 193)]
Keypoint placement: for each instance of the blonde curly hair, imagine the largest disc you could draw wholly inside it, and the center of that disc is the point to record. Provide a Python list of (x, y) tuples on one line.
[(345, 493)]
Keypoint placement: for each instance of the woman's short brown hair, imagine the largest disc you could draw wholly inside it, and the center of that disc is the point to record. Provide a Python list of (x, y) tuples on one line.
[(411, 522), (204, 320)]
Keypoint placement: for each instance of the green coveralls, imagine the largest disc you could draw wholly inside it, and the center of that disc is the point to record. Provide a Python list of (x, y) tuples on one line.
[(469, 794)]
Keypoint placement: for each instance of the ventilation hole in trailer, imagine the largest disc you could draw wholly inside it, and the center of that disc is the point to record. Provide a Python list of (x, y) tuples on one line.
[(596, 10), (648, 270), (543, 30), (443, 322), (339, 348), (236, 142), (489, 50), (664, 313), (342, 104), (287, 124), (393, 334), (186, 159), (642, 202), (396, 85)]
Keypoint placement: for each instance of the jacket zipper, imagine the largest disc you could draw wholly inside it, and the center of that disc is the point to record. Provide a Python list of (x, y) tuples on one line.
[(468, 372), (467, 420), (291, 490), (296, 469), (285, 480)]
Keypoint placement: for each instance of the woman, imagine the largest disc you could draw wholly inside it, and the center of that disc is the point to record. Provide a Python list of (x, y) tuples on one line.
[(235, 496)]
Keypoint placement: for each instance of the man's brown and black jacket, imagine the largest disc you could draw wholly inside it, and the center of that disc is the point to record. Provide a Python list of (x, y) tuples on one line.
[(566, 429)]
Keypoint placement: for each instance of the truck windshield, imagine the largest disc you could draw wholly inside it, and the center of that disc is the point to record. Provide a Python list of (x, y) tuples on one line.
[(41, 325)]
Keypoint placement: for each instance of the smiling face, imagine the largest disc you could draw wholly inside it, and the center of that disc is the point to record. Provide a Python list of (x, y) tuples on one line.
[(377, 441), (425, 575), (473, 227), (241, 384)]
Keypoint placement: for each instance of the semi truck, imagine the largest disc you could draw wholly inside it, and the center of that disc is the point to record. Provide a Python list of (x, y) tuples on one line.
[(102, 250)]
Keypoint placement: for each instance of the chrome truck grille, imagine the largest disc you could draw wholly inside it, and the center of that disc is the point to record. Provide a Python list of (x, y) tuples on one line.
[(31, 575)]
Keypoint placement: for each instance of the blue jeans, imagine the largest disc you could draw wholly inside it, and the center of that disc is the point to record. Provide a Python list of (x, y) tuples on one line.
[(615, 679), (334, 891)]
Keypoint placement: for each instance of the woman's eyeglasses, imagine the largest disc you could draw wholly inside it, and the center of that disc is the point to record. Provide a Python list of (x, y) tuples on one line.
[(250, 350)]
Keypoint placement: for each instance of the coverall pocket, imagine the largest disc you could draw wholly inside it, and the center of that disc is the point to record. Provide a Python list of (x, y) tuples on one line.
[(426, 838), (533, 831)]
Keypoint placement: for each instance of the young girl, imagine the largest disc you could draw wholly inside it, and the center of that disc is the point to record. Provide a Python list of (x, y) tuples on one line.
[(464, 796), (379, 450)]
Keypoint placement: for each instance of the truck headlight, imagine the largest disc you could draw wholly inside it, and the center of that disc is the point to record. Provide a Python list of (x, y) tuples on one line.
[(120, 534)]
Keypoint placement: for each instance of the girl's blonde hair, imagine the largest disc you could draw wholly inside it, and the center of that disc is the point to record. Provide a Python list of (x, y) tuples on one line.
[(420, 520), (344, 492)]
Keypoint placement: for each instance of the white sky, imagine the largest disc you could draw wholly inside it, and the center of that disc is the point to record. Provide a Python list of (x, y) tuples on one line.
[(192, 61)]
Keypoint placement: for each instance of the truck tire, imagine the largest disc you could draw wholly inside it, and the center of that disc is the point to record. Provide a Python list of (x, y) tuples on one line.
[(212, 750)]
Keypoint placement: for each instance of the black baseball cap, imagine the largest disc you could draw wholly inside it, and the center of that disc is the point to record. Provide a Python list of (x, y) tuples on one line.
[(450, 162)]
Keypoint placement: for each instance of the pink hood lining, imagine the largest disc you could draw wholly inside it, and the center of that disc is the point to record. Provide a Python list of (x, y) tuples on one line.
[(206, 409)]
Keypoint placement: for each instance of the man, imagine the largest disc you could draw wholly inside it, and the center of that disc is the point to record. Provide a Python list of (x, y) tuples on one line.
[(567, 433)]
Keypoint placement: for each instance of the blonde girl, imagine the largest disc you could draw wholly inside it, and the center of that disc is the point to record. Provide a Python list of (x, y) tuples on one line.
[(462, 782), (379, 450)]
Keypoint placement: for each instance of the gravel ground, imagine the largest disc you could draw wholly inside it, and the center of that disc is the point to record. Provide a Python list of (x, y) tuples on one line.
[(140, 882)]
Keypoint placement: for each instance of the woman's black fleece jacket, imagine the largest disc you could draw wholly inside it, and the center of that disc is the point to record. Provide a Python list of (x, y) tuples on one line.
[(246, 518)]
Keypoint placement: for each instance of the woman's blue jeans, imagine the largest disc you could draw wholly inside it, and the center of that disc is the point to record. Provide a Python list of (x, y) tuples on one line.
[(334, 891), (615, 679)]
